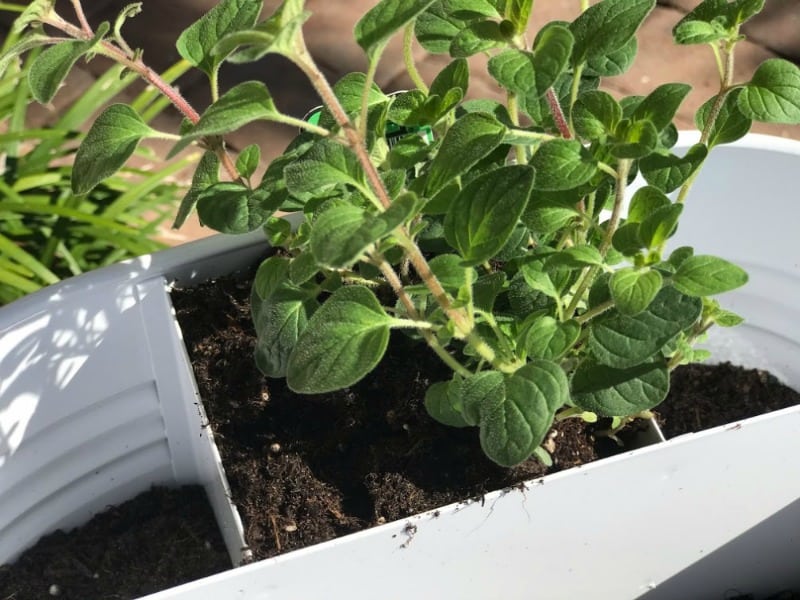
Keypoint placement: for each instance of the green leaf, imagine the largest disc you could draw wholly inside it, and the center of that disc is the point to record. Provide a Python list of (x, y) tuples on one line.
[(375, 28), (475, 391), (539, 280), (514, 424), (726, 318), (548, 339), (595, 115), (272, 274), (575, 257), (435, 29), (35, 12), (471, 138), (248, 160), (730, 124), (634, 139), (197, 42), (614, 63), (206, 174), (107, 146), (562, 165), (644, 202), (611, 392), (519, 12), (51, 67), (626, 239), (704, 275), (230, 207), (343, 341), (485, 213), (28, 42), (444, 406), (280, 34), (668, 172), (699, 32), (454, 75), (325, 165), (341, 234), (623, 341), (660, 106), (607, 26), (660, 225), (551, 51), (773, 94), (242, 104), (451, 272), (478, 36), (633, 290)]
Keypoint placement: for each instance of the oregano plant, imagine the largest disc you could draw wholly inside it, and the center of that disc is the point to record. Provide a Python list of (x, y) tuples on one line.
[(501, 234)]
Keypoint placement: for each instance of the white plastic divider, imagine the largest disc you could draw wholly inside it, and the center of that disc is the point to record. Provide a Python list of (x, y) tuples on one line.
[(95, 402)]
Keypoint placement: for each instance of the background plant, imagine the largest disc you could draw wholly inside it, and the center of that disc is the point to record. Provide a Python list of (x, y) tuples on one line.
[(47, 232), (505, 242)]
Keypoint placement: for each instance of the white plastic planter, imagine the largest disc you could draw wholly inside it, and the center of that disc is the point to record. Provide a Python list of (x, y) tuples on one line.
[(97, 403)]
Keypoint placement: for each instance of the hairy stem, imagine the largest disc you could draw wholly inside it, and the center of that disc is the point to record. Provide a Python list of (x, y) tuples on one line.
[(78, 7), (408, 58), (558, 114)]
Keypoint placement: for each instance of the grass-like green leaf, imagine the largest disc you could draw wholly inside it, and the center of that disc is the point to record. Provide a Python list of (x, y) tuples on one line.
[(383, 20), (485, 213), (109, 143), (704, 275), (343, 341), (773, 94)]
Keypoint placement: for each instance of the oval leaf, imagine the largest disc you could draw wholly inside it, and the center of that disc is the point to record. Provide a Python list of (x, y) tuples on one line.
[(610, 392), (633, 290), (109, 144), (562, 165), (381, 22), (773, 94), (704, 275), (344, 340)]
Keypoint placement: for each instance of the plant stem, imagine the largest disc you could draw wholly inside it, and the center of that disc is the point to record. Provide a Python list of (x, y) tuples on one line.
[(594, 312), (558, 114), (76, 5), (370, 78), (513, 111), (408, 57)]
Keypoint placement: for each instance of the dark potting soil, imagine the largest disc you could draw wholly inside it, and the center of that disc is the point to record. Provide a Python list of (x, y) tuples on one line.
[(703, 396), (306, 469), (160, 539)]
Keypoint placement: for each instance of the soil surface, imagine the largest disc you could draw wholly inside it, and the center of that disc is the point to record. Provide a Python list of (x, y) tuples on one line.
[(306, 469), (158, 540), (703, 396)]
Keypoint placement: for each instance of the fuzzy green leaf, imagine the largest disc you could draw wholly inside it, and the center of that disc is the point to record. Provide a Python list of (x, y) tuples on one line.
[(596, 114), (343, 341), (607, 26), (478, 36), (454, 75), (109, 143), (435, 28), (633, 290), (644, 202), (773, 94), (562, 165), (514, 424), (230, 207), (205, 175), (383, 20), (548, 339), (611, 392), (51, 67), (699, 32), (242, 104), (519, 12), (704, 275), (196, 43), (327, 164), (471, 138), (614, 63), (444, 406), (485, 213), (634, 139), (248, 160), (623, 341), (659, 225), (668, 172), (730, 125), (660, 106), (551, 51)]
